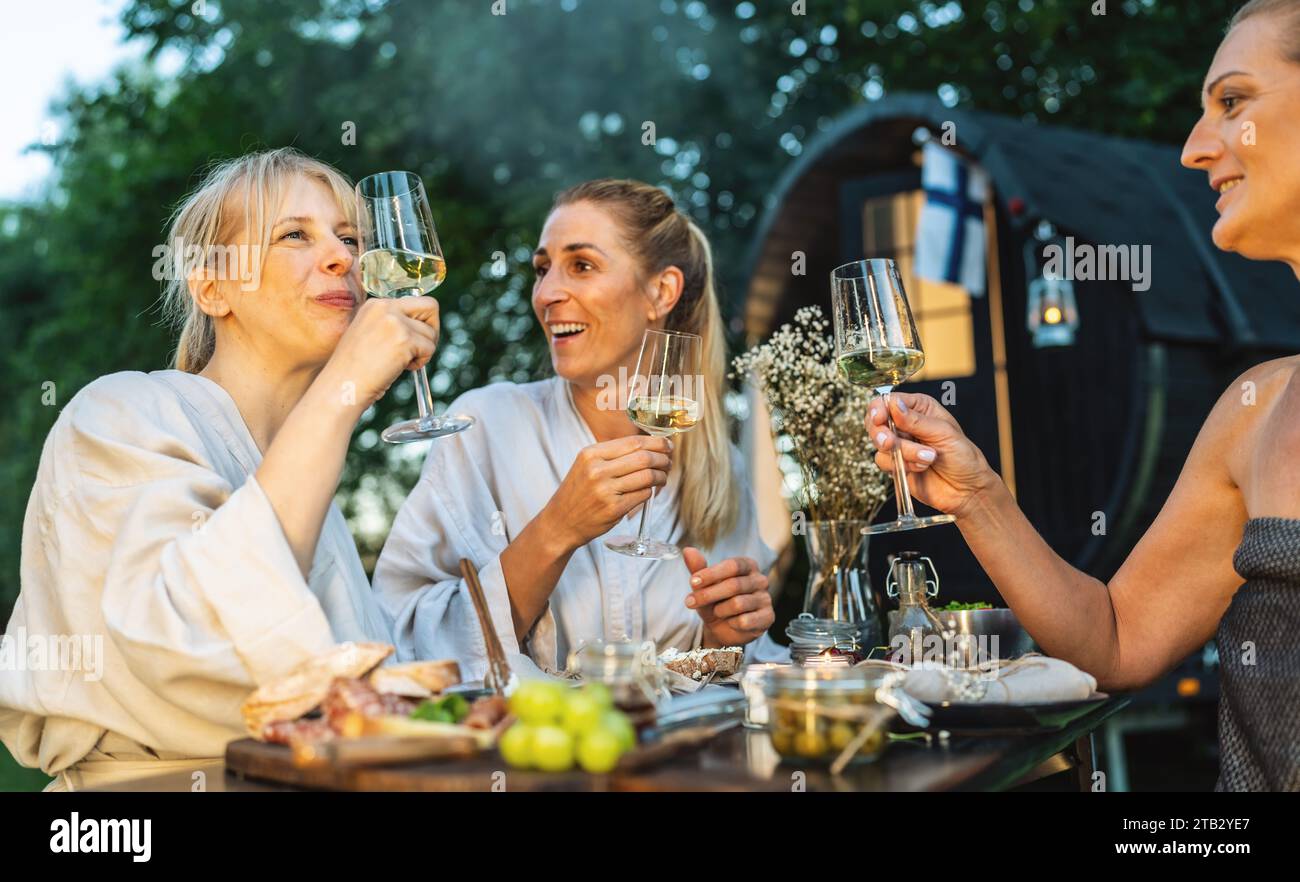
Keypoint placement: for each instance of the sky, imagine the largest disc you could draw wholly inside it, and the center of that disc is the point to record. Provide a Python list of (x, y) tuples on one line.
[(43, 45)]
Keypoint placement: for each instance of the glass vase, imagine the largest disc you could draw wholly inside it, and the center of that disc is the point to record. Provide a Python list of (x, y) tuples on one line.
[(839, 586)]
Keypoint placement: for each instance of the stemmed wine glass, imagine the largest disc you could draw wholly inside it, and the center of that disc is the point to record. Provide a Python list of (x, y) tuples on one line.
[(876, 345), (663, 399), (401, 256)]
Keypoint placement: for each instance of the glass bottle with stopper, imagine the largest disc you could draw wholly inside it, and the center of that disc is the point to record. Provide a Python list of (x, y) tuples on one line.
[(913, 623)]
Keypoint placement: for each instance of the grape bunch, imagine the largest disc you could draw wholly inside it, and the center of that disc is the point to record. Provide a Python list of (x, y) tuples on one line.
[(558, 724)]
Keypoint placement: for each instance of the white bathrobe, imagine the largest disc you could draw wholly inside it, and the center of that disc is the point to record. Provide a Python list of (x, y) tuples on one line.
[(147, 536), (480, 488)]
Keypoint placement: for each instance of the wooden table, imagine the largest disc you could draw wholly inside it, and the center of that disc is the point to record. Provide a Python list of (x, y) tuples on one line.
[(743, 759)]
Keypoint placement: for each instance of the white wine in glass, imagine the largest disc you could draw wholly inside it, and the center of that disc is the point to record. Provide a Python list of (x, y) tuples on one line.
[(664, 399), (401, 257), (664, 416), (876, 345), (392, 272), (880, 367)]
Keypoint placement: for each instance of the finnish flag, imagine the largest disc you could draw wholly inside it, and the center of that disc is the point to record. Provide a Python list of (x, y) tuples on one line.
[(950, 234)]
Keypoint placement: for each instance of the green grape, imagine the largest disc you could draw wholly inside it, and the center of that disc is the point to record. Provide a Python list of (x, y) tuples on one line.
[(599, 750), (517, 745), (552, 749), (582, 713), (600, 692), (618, 723), (538, 702)]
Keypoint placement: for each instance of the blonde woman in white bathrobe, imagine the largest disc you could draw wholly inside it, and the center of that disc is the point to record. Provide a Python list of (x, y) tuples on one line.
[(182, 526), (552, 467)]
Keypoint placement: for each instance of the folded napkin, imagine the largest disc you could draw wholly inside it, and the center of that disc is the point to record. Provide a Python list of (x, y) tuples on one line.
[(1030, 679)]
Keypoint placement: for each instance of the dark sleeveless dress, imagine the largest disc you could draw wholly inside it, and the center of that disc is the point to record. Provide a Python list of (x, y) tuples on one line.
[(1259, 657)]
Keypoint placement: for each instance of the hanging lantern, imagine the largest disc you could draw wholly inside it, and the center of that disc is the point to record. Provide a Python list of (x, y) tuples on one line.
[(1053, 317)]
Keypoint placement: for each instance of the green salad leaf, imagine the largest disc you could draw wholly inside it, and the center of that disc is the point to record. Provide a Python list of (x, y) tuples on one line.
[(448, 709)]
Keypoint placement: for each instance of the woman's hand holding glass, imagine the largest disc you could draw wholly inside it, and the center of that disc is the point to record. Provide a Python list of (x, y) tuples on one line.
[(386, 337), (946, 470), (606, 482)]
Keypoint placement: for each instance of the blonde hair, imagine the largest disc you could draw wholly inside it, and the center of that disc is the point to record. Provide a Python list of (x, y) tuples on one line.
[(1289, 8), (660, 236), (209, 219)]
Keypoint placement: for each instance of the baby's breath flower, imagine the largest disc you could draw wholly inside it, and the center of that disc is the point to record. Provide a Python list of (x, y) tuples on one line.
[(821, 416)]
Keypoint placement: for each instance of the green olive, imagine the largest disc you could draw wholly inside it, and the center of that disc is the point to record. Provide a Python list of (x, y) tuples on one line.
[(810, 744), (874, 744), (840, 735)]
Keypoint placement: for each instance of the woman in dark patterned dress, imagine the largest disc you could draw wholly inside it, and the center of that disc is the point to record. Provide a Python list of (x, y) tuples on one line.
[(1222, 558)]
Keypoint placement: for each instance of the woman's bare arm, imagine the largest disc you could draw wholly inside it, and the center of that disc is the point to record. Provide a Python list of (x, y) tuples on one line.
[(1168, 596), (1164, 602)]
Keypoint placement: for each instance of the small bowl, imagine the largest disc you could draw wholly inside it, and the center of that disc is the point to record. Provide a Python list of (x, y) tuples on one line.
[(985, 634)]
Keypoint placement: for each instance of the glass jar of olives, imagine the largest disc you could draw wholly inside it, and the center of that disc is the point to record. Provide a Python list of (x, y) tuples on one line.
[(817, 712)]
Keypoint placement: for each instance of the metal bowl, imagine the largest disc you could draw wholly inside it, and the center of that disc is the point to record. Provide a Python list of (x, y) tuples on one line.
[(987, 633)]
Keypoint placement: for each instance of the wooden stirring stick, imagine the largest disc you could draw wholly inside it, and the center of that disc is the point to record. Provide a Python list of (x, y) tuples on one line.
[(498, 672)]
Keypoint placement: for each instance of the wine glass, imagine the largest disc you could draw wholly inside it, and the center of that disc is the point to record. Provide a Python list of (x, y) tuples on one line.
[(401, 256), (663, 399), (876, 345)]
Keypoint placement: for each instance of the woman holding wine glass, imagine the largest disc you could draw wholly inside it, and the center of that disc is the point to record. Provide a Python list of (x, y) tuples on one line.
[(183, 521), (1222, 558), (550, 495)]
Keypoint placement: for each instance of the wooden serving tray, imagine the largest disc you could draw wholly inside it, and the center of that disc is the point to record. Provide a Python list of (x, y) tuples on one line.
[(456, 770)]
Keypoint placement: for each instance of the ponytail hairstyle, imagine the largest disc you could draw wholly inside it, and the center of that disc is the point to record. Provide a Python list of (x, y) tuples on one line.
[(209, 220), (660, 236), (1289, 10)]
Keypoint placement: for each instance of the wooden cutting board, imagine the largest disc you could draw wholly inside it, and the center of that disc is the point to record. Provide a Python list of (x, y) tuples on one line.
[(457, 771)]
